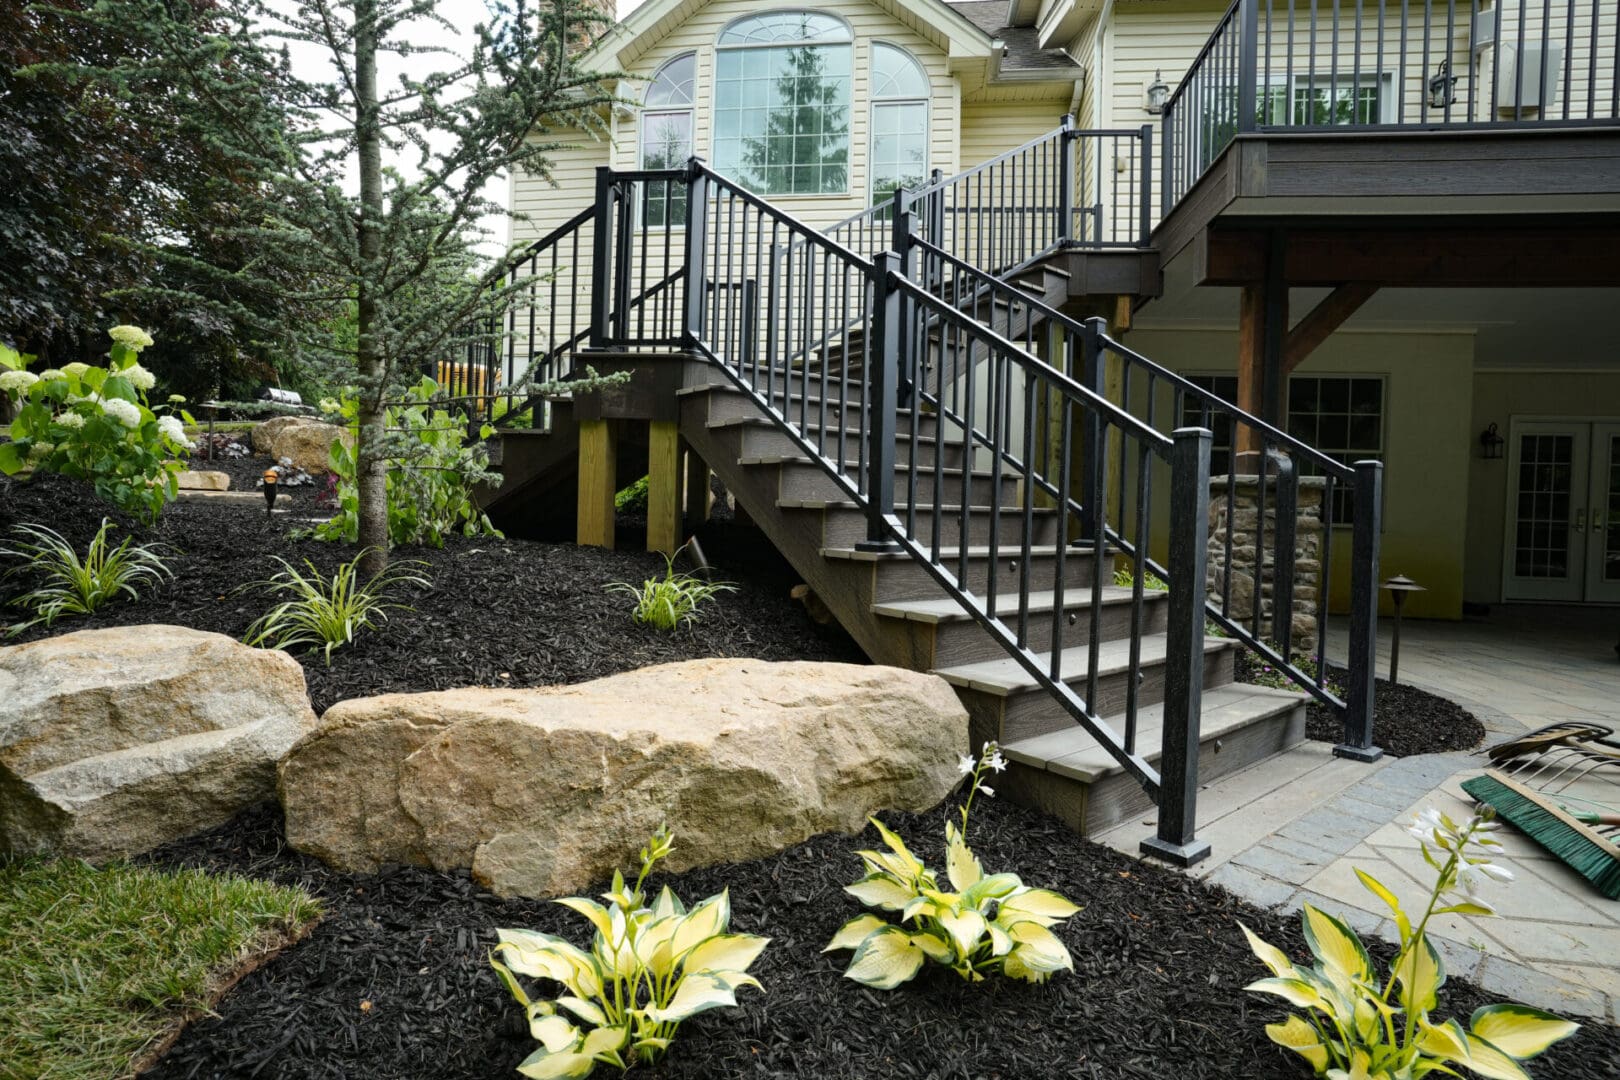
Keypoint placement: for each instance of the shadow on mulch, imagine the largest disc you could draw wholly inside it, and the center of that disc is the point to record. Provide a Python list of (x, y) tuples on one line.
[(1406, 721), (499, 612), (395, 983)]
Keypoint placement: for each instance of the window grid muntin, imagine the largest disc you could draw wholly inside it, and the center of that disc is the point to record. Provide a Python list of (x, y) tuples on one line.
[(1541, 543), (812, 156), (1343, 417)]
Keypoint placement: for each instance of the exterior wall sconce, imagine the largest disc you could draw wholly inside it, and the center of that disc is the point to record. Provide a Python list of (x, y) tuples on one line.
[(1491, 443), (1157, 93), (1442, 87)]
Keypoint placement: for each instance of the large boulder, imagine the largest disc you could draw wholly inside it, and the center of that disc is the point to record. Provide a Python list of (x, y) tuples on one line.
[(305, 441), (115, 741), (544, 791)]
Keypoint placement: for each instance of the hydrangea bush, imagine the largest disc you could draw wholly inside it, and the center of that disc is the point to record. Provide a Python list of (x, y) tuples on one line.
[(93, 423)]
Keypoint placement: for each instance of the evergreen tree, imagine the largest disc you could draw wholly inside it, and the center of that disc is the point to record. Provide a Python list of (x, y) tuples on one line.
[(805, 148)]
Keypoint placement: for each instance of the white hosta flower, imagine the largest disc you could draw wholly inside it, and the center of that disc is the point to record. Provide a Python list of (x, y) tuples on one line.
[(133, 336), (75, 369), (139, 377), (69, 420), (997, 762), (174, 430), (988, 790), (14, 382), (125, 412), (966, 764)]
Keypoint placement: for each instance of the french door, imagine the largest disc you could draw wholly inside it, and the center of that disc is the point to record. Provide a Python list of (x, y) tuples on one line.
[(1563, 512)]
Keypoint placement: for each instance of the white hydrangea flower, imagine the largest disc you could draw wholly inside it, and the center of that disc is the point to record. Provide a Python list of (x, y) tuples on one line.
[(39, 450), (69, 420), (125, 412), (52, 373), (14, 382), (139, 377), (174, 430), (75, 369), (133, 336)]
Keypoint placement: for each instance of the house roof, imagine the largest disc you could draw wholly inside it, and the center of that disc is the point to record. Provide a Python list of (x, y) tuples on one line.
[(1024, 52)]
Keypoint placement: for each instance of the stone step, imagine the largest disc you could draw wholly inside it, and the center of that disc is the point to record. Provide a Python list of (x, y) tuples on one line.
[(1067, 773)]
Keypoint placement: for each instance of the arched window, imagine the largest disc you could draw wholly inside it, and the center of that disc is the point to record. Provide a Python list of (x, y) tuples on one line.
[(782, 103), (899, 125), (666, 135)]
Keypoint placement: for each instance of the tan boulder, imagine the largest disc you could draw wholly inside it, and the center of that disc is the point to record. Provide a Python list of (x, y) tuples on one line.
[(544, 791), (210, 480), (114, 741), (303, 440), (264, 434)]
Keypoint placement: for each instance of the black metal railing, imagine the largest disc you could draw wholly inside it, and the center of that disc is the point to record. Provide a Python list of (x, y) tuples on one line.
[(1276, 65)]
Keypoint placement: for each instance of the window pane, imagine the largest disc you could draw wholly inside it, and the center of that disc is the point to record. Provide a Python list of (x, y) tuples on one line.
[(1343, 418), (673, 83), (784, 26), (895, 74), (789, 108)]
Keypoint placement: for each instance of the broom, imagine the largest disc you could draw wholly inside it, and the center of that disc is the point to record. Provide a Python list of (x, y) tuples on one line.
[(1568, 834)]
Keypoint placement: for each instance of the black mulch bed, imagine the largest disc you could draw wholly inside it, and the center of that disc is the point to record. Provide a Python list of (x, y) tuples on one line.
[(395, 983), (499, 612), (1406, 720), (245, 473)]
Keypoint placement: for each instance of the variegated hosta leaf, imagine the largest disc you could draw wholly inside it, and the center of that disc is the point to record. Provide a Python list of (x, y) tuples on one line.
[(992, 887), (898, 867), (1298, 1035), (1001, 942), (554, 1032), (922, 907), (1336, 945), (1378, 889), (1491, 1061), (961, 867), (544, 1065), (726, 952), (1038, 905), (509, 980), (653, 945), (852, 933), (934, 947), (667, 904), (587, 1011), (1518, 1030), (703, 922), (886, 958), (1039, 949), (1271, 956), (1421, 974), (898, 846), (596, 913), (965, 929), (1296, 992), (881, 891), (605, 1041), (699, 993)]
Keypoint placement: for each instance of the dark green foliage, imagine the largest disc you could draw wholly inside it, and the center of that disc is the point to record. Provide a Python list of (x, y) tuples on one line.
[(633, 499)]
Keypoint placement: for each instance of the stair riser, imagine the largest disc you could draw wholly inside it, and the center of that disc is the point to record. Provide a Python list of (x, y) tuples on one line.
[(810, 482), (729, 405), (1032, 712), (846, 526), (964, 642), (1117, 798), (770, 442), (898, 580)]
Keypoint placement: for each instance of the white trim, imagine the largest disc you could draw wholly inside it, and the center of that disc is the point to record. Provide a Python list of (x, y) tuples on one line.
[(789, 9), (873, 102)]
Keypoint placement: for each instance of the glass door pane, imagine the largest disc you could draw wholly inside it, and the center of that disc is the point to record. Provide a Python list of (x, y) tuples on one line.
[(1603, 511), (1547, 479)]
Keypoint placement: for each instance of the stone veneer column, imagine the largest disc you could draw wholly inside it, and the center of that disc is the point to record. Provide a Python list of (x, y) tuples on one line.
[(1307, 553)]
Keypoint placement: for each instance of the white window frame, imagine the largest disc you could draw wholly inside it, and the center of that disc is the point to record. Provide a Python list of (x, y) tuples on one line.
[(875, 103)]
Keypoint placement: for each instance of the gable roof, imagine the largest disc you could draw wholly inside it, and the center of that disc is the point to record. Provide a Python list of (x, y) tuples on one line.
[(938, 21), (1022, 43)]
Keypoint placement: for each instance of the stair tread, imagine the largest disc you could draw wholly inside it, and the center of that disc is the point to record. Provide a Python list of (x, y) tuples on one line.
[(1073, 753), (948, 610), (900, 507), (947, 554), (800, 459), (1006, 677)]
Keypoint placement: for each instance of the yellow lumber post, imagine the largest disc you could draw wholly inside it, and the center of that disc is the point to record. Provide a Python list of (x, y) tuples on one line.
[(598, 458), (663, 486)]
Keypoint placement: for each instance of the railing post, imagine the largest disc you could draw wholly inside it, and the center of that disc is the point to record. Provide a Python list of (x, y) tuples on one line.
[(1248, 98), (1175, 841), (601, 257), (1093, 439), (900, 241), (1147, 184), (1065, 222), (1362, 666), (882, 384), (935, 233), (697, 276), (1282, 563)]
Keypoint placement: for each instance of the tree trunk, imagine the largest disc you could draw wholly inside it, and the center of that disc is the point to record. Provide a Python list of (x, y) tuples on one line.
[(371, 467)]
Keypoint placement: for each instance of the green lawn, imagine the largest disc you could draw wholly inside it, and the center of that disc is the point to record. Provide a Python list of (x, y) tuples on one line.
[(97, 966)]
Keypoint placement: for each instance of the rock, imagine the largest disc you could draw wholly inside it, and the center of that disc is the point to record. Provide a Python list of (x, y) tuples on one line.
[(546, 791), (203, 481), (114, 741), (306, 441)]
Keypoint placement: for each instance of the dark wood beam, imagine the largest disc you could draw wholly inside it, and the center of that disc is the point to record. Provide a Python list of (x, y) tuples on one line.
[(1477, 257), (1322, 320), (1251, 361)]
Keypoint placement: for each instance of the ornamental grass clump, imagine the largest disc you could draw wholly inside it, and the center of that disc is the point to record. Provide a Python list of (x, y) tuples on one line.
[(990, 923), (672, 601), (68, 585), (647, 970), (327, 613), (1358, 1026)]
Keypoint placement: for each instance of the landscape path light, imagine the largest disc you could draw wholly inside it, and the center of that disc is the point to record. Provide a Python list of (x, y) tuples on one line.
[(1398, 587), (270, 479)]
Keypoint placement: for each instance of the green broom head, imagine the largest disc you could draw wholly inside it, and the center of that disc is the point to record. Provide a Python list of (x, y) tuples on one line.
[(1596, 862)]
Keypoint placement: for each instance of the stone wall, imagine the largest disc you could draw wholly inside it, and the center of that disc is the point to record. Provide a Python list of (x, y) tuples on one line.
[(1244, 515)]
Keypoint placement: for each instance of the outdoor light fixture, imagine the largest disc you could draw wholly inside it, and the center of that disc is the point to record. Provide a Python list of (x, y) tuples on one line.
[(270, 480), (1442, 87), (1398, 587), (1157, 93), (1491, 443)]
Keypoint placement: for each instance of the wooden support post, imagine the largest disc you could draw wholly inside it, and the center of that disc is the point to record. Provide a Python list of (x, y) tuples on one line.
[(1262, 328), (699, 496), (598, 462), (663, 486)]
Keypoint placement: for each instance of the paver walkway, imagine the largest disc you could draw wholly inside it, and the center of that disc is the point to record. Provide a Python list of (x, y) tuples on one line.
[(1292, 829)]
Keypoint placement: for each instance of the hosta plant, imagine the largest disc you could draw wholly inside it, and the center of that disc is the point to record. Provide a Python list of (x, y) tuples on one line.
[(93, 423), (65, 584), (1358, 1025), (982, 923), (672, 600), (326, 612), (648, 969)]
